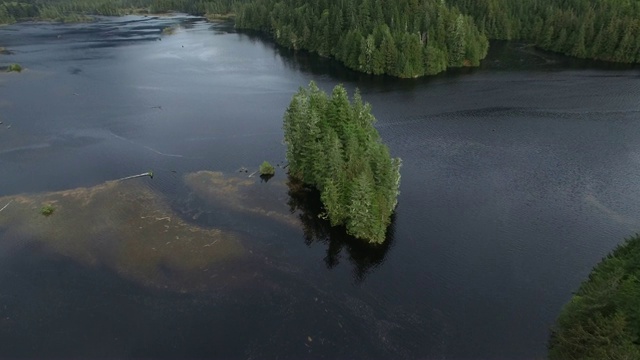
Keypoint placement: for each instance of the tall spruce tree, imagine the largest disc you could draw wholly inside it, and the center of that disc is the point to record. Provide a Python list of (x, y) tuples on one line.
[(333, 146)]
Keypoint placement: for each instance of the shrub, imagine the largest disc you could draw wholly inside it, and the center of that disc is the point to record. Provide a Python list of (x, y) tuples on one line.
[(169, 30), (47, 210), (14, 67), (267, 169)]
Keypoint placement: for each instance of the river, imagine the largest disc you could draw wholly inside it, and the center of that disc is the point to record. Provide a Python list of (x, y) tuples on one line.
[(517, 178)]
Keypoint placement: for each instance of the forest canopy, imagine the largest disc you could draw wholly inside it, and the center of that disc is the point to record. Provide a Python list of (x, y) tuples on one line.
[(333, 146), (78, 10), (604, 30), (402, 38), (410, 38), (602, 320)]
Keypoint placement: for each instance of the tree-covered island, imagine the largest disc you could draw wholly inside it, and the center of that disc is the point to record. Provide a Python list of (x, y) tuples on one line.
[(333, 146)]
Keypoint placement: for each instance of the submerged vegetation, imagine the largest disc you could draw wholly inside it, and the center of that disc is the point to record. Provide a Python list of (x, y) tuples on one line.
[(333, 146), (602, 320), (240, 195), (122, 226)]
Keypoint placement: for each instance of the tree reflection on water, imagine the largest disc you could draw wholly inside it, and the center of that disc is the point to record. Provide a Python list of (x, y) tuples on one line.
[(365, 257)]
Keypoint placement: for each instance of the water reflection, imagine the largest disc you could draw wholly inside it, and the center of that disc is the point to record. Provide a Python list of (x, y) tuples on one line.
[(363, 256), (265, 177)]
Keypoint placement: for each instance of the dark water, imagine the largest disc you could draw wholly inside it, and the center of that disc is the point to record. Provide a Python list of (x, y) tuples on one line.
[(518, 177)]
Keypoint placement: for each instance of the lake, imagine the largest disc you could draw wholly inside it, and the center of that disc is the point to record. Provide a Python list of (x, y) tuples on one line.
[(517, 178)]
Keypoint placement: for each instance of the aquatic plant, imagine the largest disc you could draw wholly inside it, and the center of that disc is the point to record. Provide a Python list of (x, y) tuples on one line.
[(169, 30), (602, 319), (267, 169), (47, 210), (240, 194), (14, 67)]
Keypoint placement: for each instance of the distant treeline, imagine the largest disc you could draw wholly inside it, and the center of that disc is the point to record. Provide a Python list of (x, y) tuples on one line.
[(409, 38), (404, 38), (78, 10), (602, 320), (604, 29)]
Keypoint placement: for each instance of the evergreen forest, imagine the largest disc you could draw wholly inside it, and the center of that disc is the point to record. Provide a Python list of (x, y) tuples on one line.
[(80, 10), (604, 29), (410, 38), (602, 320), (402, 38), (333, 146)]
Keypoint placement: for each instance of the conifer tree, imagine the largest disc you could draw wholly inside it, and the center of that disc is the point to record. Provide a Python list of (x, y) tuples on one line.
[(333, 146)]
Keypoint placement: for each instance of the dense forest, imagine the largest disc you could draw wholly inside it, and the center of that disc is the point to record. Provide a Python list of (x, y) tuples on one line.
[(605, 29), (602, 320), (79, 10), (409, 38), (403, 38), (333, 146)]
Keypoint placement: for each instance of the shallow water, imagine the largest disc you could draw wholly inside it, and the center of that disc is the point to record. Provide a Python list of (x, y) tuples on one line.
[(518, 177)]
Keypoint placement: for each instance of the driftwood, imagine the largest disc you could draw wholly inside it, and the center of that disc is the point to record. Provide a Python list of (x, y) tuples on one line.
[(149, 174), (4, 207)]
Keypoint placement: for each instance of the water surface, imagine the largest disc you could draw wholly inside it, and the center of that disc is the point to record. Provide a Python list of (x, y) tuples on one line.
[(518, 177)]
